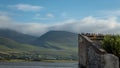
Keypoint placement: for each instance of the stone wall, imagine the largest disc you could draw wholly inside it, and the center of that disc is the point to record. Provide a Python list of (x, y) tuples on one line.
[(91, 55)]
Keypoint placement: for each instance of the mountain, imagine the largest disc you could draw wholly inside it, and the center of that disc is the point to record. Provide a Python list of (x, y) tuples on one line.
[(16, 36), (53, 44), (8, 44), (58, 44), (57, 40)]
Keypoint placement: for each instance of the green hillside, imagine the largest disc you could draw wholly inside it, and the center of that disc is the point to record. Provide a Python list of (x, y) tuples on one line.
[(57, 40), (16, 36), (52, 45), (8, 44), (61, 43)]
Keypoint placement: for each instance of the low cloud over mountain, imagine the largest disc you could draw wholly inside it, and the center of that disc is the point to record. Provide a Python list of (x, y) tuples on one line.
[(87, 24)]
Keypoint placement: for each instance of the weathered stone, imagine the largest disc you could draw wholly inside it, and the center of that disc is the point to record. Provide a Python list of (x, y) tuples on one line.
[(91, 55), (110, 61)]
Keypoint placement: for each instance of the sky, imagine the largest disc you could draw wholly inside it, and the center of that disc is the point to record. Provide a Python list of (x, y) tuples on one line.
[(36, 17)]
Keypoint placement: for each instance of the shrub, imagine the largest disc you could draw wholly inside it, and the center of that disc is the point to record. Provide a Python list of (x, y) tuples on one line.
[(111, 43)]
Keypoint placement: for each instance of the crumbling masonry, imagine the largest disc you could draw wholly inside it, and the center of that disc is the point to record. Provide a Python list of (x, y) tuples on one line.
[(91, 55)]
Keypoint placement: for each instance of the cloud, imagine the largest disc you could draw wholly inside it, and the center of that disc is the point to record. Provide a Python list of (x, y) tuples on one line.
[(7, 13), (4, 18), (3, 13), (35, 29), (26, 7), (87, 24), (47, 16), (50, 15), (39, 17), (110, 12)]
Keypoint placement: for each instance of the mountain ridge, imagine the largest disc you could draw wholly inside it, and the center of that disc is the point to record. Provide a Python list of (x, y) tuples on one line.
[(55, 44), (16, 36), (61, 37)]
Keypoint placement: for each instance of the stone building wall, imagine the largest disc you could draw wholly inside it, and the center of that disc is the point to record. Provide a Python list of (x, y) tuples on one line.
[(91, 55)]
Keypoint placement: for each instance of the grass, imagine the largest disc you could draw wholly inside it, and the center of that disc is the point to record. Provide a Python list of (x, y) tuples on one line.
[(59, 61), (18, 60), (11, 47), (13, 60)]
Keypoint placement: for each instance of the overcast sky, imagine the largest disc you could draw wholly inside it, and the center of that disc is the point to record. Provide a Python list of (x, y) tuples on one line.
[(36, 17)]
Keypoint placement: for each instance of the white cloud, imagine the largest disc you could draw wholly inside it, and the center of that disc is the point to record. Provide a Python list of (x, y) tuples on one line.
[(26, 7), (36, 29), (50, 15), (90, 24), (109, 13), (3, 13), (43, 17), (67, 15), (4, 18), (87, 24), (5, 21), (37, 15), (40, 18)]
